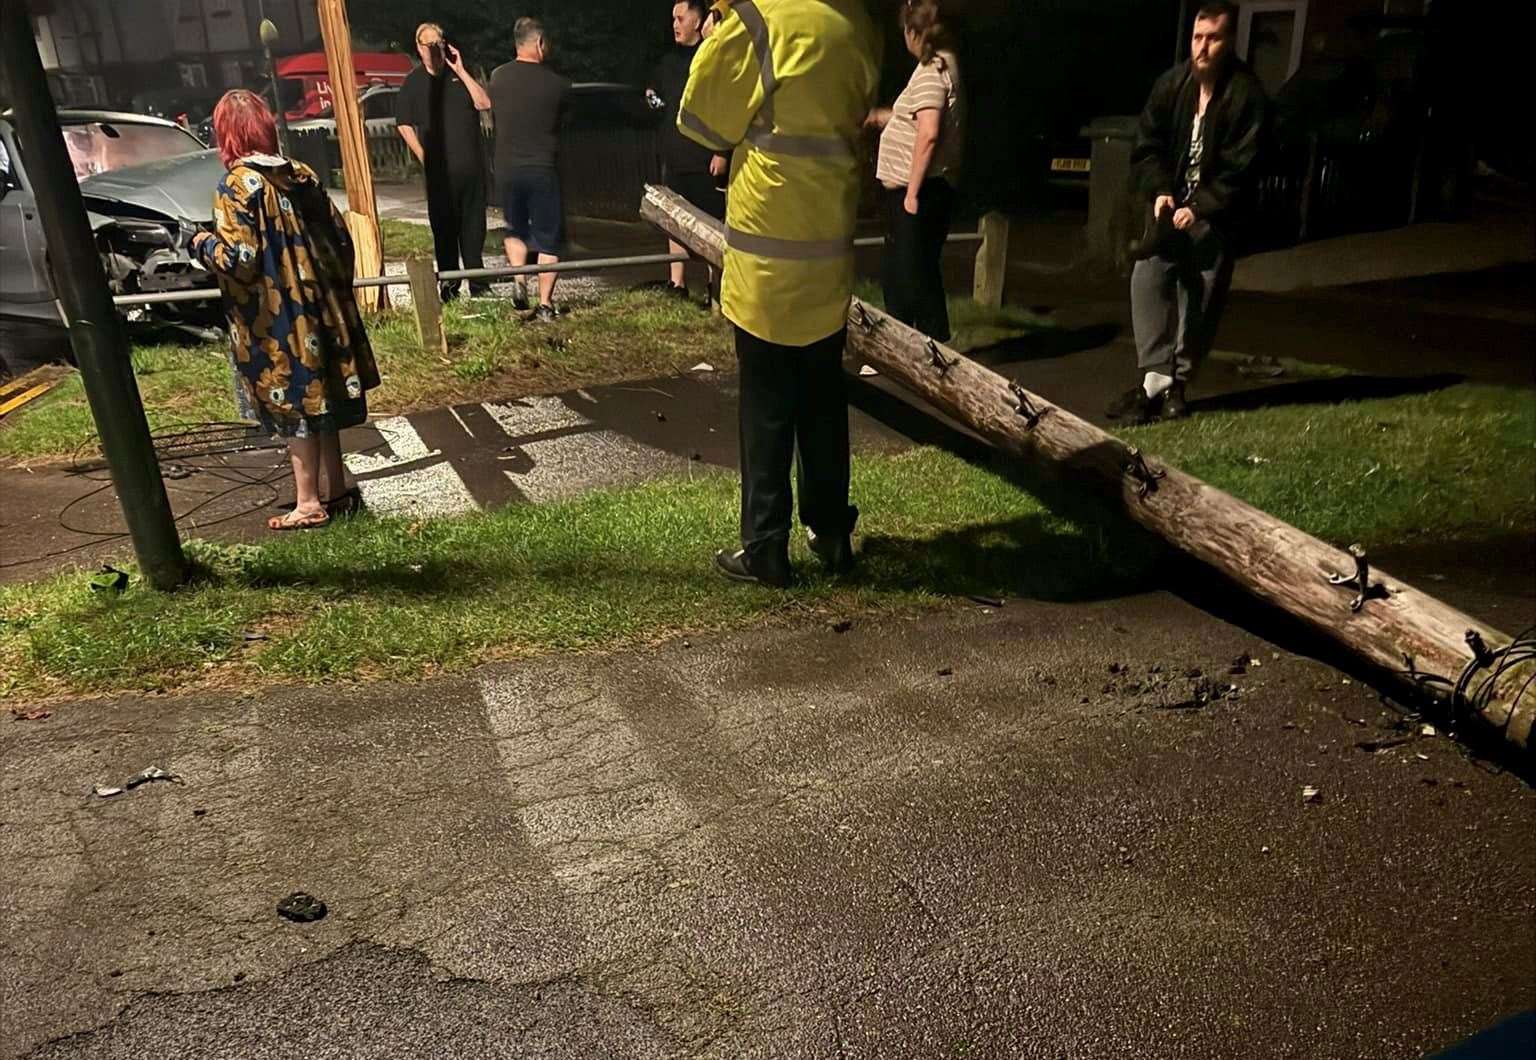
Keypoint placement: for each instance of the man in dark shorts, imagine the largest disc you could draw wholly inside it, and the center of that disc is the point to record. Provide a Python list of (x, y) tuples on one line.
[(529, 99), (694, 172), (438, 117)]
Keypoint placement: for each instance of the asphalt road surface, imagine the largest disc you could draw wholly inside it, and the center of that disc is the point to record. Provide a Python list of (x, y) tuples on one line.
[(985, 832)]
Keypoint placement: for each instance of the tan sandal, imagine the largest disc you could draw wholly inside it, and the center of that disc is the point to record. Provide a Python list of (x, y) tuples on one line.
[(295, 521)]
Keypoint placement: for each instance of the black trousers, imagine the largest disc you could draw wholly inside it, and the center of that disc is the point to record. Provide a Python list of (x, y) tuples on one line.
[(911, 272), (456, 210), (794, 400)]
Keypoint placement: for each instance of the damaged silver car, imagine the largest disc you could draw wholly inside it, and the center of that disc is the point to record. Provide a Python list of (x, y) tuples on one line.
[(148, 184)]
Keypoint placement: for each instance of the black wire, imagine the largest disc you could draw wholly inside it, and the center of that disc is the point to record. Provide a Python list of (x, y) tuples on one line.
[(1497, 664), (200, 448)]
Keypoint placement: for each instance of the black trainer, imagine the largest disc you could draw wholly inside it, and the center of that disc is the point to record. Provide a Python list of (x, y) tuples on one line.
[(1133, 406), (448, 292), (835, 550), (1174, 407), (520, 297), (736, 566), (545, 314)]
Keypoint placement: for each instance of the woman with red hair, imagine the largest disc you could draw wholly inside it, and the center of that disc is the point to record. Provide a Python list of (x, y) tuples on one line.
[(283, 259)]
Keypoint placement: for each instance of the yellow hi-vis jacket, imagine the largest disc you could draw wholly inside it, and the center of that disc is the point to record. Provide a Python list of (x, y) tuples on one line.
[(784, 85)]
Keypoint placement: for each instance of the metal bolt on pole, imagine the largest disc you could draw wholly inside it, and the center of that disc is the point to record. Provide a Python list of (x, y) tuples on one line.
[(95, 331)]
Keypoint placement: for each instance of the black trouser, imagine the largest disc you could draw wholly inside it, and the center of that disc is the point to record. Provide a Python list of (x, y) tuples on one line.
[(456, 210), (911, 271), (793, 400)]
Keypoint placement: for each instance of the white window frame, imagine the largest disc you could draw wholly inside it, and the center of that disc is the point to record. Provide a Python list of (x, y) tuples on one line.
[(1298, 39)]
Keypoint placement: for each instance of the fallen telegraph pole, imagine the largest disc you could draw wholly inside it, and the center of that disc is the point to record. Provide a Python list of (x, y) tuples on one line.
[(1420, 641)]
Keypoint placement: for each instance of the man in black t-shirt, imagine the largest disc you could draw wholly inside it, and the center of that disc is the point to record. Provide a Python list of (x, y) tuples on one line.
[(693, 171), (529, 100), (438, 117)]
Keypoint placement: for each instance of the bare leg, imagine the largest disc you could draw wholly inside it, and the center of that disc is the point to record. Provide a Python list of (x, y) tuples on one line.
[(305, 454), (678, 268), (547, 280), (517, 256), (333, 473)]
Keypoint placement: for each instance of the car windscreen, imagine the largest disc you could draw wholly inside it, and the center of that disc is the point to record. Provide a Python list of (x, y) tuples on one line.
[(102, 146)]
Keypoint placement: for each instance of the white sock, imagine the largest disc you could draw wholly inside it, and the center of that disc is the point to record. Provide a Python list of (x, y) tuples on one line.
[(1156, 383)]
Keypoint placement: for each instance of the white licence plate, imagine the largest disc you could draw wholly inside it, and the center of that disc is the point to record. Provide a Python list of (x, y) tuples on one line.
[(1070, 165)]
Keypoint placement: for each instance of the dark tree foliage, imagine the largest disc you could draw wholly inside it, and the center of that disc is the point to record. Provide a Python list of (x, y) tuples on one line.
[(594, 40)]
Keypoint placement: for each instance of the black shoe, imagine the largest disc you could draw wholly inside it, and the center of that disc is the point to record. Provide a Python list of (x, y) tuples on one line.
[(835, 550), (1133, 406), (545, 314), (677, 291), (835, 553), (736, 566), (520, 298), (479, 290), (448, 292), (1174, 407)]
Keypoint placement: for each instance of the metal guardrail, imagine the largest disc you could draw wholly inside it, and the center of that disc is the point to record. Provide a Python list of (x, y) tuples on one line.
[(204, 294)]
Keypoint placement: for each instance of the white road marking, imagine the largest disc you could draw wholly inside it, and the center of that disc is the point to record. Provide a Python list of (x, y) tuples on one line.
[(591, 799), (405, 447), (534, 415), (432, 491)]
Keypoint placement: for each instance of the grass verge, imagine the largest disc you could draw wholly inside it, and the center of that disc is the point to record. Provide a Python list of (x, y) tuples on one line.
[(387, 598), (622, 336), (406, 239)]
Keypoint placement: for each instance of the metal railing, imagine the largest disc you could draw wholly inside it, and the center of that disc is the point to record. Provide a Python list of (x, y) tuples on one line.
[(203, 294)]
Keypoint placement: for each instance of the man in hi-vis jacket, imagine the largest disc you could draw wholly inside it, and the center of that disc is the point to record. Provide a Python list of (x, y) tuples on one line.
[(784, 86)]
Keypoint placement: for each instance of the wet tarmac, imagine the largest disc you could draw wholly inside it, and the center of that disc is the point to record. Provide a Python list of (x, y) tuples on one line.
[(987, 831)]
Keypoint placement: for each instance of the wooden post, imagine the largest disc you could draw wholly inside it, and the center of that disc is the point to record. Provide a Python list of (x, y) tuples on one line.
[(1422, 643), (356, 172), (428, 301), (992, 261)]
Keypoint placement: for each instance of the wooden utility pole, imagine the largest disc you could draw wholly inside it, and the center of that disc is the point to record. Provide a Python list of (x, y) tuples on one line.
[(1419, 641), (96, 332), (356, 171)]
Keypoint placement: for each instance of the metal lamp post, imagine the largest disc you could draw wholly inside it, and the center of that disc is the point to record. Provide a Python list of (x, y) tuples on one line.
[(269, 37)]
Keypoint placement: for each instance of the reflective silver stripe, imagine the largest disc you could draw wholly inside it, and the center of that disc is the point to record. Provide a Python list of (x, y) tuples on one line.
[(799, 146), (694, 122), (789, 249), (752, 18)]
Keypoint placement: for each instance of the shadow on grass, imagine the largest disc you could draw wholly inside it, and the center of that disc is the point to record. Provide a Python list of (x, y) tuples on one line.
[(1327, 392), (1045, 344), (1027, 558)]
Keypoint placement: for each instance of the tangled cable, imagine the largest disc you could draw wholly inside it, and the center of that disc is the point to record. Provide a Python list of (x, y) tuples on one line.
[(1475, 693), (201, 448)]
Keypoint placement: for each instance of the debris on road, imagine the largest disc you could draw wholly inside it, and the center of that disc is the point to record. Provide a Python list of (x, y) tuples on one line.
[(842, 625), (985, 601), (866, 370), (143, 776), (947, 671), (301, 908), (21, 714), (1427, 730), (1311, 794), (702, 366)]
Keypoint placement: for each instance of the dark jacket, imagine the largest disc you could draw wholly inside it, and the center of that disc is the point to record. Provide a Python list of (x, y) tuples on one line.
[(1234, 133)]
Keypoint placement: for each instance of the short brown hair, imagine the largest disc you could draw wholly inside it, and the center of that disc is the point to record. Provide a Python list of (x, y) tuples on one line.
[(923, 20)]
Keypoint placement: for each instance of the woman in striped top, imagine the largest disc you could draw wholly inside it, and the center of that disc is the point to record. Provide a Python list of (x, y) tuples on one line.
[(919, 167)]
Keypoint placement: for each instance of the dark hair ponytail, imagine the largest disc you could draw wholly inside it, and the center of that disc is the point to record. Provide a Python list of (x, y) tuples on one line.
[(923, 19)]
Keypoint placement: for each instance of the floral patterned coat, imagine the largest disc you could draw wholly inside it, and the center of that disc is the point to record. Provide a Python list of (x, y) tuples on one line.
[(283, 259)]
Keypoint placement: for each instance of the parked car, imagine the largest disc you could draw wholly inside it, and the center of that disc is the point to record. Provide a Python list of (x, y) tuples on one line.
[(378, 107), (147, 183)]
